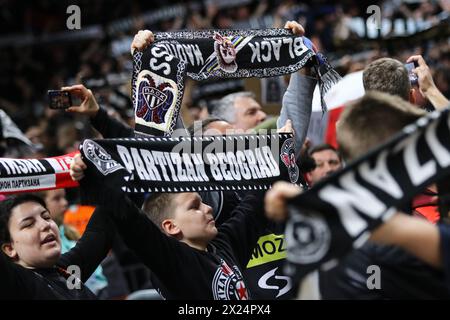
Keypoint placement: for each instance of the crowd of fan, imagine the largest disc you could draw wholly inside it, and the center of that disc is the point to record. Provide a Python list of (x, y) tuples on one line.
[(29, 71)]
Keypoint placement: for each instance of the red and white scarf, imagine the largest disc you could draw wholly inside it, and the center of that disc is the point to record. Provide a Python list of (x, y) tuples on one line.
[(25, 175)]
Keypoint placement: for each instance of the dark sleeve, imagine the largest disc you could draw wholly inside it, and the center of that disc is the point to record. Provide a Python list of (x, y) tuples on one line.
[(8, 278), (444, 231), (297, 106), (164, 255), (393, 273), (15, 281), (110, 127), (93, 246), (404, 276), (245, 226)]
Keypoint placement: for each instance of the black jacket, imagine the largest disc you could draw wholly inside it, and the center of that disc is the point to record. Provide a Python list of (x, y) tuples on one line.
[(186, 273), (17, 282), (444, 231), (402, 276), (110, 127), (263, 274)]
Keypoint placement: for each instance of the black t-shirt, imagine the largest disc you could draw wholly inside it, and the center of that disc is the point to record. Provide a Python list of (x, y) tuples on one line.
[(264, 272)]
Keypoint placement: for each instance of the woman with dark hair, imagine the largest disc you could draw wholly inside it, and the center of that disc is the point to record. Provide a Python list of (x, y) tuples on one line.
[(31, 264)]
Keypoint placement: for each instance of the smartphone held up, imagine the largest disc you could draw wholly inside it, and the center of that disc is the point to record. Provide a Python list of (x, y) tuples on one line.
[(59, 99)]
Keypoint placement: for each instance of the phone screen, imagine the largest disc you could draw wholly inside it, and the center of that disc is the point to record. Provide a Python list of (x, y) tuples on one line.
[(59, 99), (413, 79), (409, 66)]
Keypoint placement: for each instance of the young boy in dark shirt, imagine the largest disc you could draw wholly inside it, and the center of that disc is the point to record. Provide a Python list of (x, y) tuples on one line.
[(176, 237)]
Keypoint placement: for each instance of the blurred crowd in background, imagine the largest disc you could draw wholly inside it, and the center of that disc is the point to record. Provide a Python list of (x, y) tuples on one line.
[(30, 68)]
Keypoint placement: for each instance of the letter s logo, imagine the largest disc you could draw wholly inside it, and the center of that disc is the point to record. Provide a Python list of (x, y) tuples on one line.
[(262, 282)]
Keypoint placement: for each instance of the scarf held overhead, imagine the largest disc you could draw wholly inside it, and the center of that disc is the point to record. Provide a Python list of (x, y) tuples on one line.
[(160, 70), (159, 164), (25, 175), (338, 214)]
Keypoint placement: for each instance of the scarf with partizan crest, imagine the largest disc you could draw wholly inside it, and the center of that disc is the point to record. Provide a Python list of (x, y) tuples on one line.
[(159, 71)]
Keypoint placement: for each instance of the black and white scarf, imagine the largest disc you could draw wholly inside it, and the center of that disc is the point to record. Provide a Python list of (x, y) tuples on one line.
[(339, 213), (160, 70), (209, 163)]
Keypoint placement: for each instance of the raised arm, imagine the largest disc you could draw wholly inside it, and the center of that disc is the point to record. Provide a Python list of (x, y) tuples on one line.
[(245, 226), (415, 235), (100, 120), (297, 100), (162, 254), (419, 237), (427, 86), (93, 246)]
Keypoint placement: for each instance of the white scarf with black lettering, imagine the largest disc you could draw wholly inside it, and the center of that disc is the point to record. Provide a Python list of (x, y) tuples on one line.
[(338, 213), (159, 71)]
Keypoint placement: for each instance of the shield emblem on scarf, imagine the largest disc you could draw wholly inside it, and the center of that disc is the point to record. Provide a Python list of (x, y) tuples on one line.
[(153, 97), (156, 100)]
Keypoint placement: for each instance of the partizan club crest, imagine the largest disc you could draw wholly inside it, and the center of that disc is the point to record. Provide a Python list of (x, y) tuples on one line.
[(288, 157), (226, 53), (228, 283), (100, 158), (308, 238), (156, 99)]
